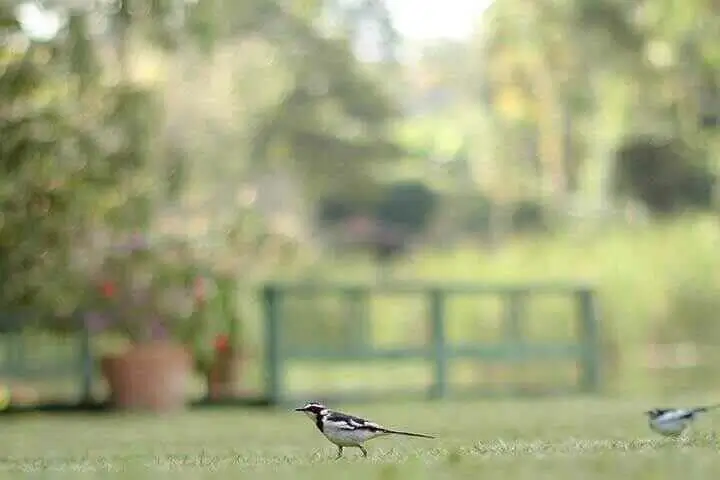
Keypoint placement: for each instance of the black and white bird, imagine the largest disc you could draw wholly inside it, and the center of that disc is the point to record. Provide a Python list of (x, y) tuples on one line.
[(346, 430), (671, 422)]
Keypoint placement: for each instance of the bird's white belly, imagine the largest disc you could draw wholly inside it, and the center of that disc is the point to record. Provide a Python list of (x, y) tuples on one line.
[(673, 427), (348, 438)]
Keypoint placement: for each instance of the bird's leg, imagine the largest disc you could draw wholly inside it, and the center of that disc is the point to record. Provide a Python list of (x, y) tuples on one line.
[(362, 449), (340, 452)]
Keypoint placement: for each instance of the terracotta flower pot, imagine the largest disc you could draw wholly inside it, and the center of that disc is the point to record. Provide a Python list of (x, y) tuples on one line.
[(223, 374), (152, 376)]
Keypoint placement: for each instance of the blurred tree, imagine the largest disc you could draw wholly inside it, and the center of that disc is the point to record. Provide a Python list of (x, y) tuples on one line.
[(288, 97), (407, 206), (326, 120), (80, 155), (70, 146), (529, 216), (530, 67), (666, 175), (335, 209), (385, 223), (333, 121), (584, 74)]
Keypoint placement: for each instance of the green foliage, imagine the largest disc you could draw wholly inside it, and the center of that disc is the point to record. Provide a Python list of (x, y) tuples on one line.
[(467, 212), (45, 158), (611, 68), (332, 124), (709, 97), (335, 209), (407, 205), (217, 316), (528, 216), (72, 148), (392, 217), (82, 59), (667, 176), (474, 214), (610, 23)]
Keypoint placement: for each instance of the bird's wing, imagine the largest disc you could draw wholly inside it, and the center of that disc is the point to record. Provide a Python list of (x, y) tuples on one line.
[(349, 422), (663, 411), (678, 414)]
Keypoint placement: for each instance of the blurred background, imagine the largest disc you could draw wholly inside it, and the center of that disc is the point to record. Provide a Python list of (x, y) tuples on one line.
[(165, 160)]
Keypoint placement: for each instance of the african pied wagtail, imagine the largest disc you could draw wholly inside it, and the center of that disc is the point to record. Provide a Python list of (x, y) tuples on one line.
[(345, 430), (671, 422)]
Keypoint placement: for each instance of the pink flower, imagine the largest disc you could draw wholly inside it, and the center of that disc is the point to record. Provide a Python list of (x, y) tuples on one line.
[(108, 289), (222, 342)]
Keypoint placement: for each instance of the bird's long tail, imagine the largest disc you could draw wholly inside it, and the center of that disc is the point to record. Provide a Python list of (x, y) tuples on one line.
[(706, 408), (407, 434)]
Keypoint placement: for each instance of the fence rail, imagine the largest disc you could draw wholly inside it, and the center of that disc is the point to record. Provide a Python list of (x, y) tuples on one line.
[(439, 351)]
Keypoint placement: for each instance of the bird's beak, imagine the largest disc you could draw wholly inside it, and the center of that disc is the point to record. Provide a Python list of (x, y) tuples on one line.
[(299, 409)]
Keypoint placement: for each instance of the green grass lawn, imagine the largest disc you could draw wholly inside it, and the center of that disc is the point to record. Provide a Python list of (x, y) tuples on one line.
[(543, 439)]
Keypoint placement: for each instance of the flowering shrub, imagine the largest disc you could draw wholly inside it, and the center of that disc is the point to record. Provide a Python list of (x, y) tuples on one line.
[(149, 294), (208, 344)]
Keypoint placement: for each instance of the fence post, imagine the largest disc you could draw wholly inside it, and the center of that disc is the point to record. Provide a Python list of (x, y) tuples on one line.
[(273, 374), (590, 376), (437, 321)]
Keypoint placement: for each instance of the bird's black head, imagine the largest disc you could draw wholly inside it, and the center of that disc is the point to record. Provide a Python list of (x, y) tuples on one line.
[(655, 412), (313, 409)]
